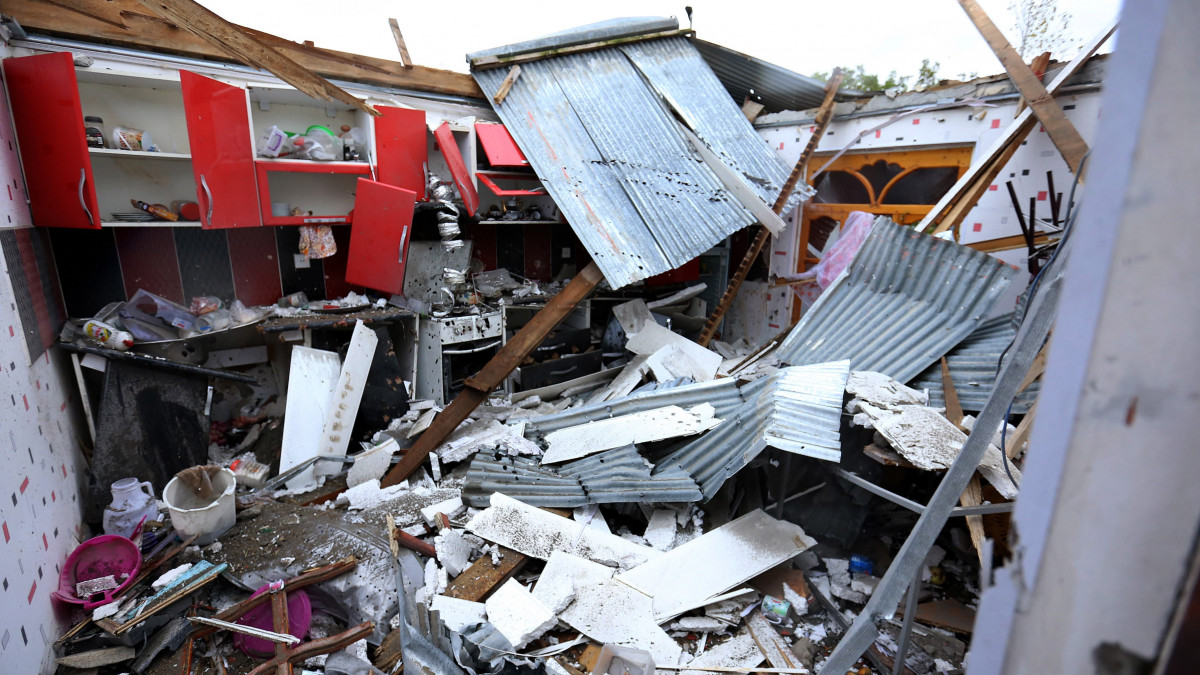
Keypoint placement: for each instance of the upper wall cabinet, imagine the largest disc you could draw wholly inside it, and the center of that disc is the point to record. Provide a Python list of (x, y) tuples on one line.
[(54, 151), (218, 124), (82, 184)]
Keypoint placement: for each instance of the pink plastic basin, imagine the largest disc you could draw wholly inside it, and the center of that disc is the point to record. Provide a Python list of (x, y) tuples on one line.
[(99, 557), (299, 618)]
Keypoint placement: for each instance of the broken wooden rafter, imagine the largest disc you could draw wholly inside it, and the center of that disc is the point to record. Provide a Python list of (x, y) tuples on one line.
[(1062, 133), (206, 24), (973, 495), (506, 85), (950, 210), (494, 371), (128, 23), (824, 115), (1038, 65), (401, 46)]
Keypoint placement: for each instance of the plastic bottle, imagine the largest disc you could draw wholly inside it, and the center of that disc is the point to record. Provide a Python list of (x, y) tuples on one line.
[(107, 335)]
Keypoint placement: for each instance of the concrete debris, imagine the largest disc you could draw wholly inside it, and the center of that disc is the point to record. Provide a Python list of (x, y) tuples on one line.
[(518, 615), (372, 464), (538, 533), (716, 562), (698, 624), (921, 434), (564, 573), (643, 427), (486, 434)]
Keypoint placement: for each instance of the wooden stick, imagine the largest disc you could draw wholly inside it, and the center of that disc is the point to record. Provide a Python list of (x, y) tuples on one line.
[(279, 619), (313, 648), (405, 59), (824, 115), (1062, 133), (507, 84), (207, 25), (973, 495), (494, 371)]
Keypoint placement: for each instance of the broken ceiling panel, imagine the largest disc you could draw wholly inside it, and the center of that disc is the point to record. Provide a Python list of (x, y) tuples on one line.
[(973, 369), (903, 302), (595, 128)]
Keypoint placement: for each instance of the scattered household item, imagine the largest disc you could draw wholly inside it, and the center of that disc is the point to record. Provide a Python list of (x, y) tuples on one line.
[(250, 473), (316, 241), (298, 299), (133, 217), (187, 210), (203, 304), (156, 210), (171, 312), (133, 502), (273, 143), (107, 335), (200, 500), (126, 138), (93, 130), (299, 613), (216, 320), (98, 557)]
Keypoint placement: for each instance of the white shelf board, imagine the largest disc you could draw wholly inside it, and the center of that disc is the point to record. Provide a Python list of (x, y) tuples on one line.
[(152, 223), (138, 154)]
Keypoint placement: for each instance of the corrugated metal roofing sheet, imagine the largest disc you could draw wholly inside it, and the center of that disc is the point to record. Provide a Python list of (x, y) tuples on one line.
[(722, 394), (798, 409), (618, 475), (973, 368), (777, 88), (904, 301), (596, 130)]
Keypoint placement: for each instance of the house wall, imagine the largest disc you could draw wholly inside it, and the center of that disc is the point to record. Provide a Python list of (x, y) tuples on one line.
[(41, 466)]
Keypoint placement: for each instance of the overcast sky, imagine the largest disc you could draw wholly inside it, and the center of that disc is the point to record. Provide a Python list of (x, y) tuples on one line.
[(805, 36)]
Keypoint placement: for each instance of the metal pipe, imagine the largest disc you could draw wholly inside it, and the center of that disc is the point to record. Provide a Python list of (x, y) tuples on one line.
[(910, 614)]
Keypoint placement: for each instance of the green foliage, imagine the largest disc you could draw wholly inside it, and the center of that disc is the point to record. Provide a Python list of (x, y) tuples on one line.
[(856, 77), (1040, 27), (927, 75)]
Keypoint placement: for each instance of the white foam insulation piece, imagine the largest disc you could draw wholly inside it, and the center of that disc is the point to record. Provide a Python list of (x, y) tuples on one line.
[(701, 365), (611, 612), (347, 395), (563, 574), (739, 652), (457, 614), (517, 615), (372, 464)]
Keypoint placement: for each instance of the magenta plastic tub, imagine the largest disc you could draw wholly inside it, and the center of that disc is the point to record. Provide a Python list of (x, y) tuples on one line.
[(99, 557)]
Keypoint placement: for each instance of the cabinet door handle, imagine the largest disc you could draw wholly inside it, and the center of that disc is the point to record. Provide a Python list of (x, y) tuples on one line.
[(207, 194), (82, 203)]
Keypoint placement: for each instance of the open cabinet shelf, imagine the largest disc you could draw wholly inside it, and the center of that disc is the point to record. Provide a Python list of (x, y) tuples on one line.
[(138, 154)]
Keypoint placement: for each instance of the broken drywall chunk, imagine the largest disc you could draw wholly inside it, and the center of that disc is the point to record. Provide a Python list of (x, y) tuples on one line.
[(641, 427), (740, 652), (458, 614), (592, 517), (632, 316), (610, 611), (699, 363), (882, 391), (451, 507), (518, 615), (486, 434), (372, 464), (660, 533), (715, 562), (539, 533), (453, 551), (563, 574), (698, 624)]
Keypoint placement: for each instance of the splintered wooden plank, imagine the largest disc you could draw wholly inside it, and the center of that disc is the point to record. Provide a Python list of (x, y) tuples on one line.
[(400, 44), (777, 651), (252, 51), (477, 581)]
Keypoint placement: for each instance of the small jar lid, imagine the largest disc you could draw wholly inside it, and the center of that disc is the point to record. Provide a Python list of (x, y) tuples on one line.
[(93, 118)]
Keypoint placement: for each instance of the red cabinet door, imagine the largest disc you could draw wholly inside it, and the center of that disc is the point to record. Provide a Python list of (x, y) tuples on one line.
[(458, 167), (49, 124), (379, 236), (402, 148), (218, 121)]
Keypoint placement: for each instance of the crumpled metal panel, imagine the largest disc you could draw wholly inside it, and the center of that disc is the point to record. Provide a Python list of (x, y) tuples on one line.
[(973, 369), (612, 156), (797, 409), (722, 394), (617, 475), (777, 88), (904, 301)]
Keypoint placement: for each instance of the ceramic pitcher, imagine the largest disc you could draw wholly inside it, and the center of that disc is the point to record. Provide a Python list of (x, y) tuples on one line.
[(132, 501)]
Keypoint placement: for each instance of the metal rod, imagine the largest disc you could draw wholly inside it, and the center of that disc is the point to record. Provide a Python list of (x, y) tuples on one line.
[(910, 614), (981, 510)]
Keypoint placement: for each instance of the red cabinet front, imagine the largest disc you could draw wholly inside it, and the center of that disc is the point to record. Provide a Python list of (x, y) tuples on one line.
[(403, 148), (379, 237), (49, 124), (458, 167), (218, 121)]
